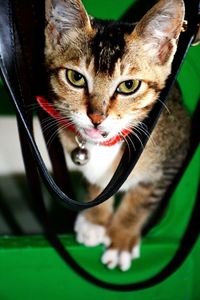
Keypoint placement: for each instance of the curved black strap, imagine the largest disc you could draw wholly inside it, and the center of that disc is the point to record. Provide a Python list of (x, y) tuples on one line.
[(11, 75), (186, 245), (15, 82)]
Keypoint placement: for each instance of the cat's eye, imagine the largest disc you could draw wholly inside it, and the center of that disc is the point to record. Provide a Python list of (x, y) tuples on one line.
[(128, 87), (75, 78)]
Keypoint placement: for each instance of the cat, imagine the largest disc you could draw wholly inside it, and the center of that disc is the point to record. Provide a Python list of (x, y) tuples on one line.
[(104, 77)]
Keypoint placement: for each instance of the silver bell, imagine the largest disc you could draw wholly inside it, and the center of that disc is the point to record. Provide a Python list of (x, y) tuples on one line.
[(80, 156)]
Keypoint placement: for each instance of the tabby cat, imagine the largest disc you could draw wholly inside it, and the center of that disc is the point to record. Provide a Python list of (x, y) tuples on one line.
[(104, 78)]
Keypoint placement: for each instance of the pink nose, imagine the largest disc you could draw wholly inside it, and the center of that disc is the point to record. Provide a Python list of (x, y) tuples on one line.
[(96, 118)]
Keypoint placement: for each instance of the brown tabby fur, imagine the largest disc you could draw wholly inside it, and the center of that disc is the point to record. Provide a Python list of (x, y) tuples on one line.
[(143, 56)]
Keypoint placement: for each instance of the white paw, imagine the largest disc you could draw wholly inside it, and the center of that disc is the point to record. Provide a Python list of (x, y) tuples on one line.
[(135, 253), (113, 258), (88, 233)]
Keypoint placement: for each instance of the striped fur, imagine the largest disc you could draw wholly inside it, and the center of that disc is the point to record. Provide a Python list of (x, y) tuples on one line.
[(108, 53)]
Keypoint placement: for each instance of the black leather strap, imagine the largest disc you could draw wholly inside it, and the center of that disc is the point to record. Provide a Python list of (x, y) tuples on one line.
[(15, 68)]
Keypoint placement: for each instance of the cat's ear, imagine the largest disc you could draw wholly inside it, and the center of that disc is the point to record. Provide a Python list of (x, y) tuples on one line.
[(160, 28), (63, 16)]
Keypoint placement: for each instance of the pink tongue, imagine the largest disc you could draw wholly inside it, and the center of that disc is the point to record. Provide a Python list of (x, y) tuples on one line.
[(93, 133)]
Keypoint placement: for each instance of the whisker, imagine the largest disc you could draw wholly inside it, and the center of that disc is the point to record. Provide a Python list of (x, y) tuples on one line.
[(33, 107), (142, 127), (135, 134), (54, 124), (150, 138), (51, 138), (47, 119), (49, 126), (132, 143), (127, 143), (55, 133), (165, 106)]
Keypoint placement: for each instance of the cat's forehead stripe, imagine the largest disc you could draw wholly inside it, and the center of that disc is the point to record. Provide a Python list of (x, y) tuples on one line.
[(108, 44)]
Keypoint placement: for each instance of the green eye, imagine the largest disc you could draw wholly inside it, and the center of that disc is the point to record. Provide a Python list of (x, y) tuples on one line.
[(76, 79), (128, 87)]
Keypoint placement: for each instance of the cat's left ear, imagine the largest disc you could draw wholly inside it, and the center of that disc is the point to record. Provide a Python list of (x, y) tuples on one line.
[(160, 28), (63, 16)]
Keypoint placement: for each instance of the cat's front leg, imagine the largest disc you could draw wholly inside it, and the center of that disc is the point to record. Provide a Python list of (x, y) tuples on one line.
[(90, 225), (124, 232)]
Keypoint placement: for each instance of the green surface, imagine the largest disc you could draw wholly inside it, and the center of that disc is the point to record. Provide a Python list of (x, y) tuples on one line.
[(107, 9), (189, 78), (29, 267), (35, 271)]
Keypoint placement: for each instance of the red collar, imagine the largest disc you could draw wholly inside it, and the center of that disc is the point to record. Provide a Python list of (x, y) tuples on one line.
[(56, 115)]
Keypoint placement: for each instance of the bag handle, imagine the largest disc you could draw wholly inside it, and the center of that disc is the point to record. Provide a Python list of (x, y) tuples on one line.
[(11, 73)]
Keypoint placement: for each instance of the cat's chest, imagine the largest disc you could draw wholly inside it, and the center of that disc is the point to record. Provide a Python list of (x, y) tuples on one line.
[(101, 163)]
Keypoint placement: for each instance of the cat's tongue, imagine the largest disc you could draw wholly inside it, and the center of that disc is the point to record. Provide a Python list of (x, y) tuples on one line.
[(93, 133)]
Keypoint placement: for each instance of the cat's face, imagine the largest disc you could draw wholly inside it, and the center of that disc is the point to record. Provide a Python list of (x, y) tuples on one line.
[(105, 76)]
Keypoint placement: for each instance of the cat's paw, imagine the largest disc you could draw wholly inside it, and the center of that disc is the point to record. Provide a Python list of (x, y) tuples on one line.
[(89, 234), (113, 258)]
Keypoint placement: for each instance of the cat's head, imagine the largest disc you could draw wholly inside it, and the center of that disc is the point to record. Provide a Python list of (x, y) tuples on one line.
[(105, 76)]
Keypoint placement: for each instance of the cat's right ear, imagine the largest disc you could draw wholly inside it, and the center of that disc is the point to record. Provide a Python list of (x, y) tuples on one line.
[(160, 28), (63, 16)]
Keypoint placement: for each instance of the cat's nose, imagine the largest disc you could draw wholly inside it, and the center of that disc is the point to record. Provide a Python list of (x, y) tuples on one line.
[(96, 118)]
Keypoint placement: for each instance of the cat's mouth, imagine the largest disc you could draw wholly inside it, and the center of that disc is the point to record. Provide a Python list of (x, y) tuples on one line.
[(104, 138), (95, 134)]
